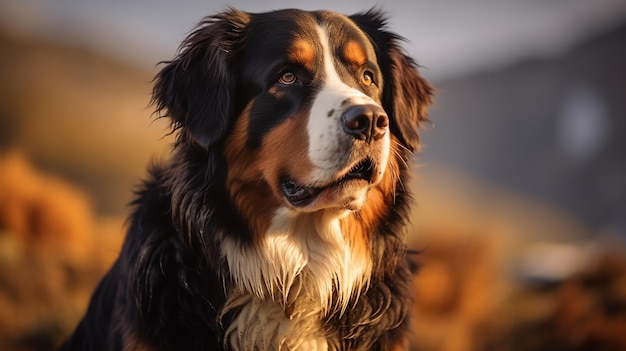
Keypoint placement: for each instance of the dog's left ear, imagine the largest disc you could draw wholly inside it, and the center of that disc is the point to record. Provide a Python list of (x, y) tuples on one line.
[(195, 89), (406, 95)]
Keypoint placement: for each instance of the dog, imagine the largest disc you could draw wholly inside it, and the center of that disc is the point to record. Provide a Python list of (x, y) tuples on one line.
[(278, 222)]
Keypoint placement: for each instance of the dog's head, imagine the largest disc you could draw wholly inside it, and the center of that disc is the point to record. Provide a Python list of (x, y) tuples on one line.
[(308, 108)]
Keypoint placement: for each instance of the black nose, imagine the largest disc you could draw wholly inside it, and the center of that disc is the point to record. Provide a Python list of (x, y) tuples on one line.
[(365, 122)]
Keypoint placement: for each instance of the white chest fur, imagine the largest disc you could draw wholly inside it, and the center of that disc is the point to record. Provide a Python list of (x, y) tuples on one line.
[(289, 282)]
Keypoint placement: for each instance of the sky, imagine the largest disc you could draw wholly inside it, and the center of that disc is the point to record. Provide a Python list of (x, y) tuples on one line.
[(448, 37)]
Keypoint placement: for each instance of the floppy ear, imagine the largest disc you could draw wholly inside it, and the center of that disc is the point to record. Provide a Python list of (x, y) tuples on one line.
[(195, 89), (406, 94)]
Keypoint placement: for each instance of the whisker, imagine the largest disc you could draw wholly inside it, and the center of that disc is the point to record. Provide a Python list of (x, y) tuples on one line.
[(401, 184), (400, 155), (398, 149), (394, 176)]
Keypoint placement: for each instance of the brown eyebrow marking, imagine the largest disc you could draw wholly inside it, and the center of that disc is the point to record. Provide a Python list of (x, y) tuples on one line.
[(353, 53), (302, 52)]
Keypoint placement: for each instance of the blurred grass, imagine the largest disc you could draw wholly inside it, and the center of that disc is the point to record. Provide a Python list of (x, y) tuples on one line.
[(53, 251)]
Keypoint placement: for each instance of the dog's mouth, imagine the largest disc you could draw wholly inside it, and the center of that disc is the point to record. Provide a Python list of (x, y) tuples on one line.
[(300, 195)]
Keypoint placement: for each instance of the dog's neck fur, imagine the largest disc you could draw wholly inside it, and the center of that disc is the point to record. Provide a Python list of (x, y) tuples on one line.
[(303, 250), (304, 270)]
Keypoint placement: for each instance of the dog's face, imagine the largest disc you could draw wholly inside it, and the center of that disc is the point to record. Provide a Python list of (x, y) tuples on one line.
[(306, 106), (311, 124)]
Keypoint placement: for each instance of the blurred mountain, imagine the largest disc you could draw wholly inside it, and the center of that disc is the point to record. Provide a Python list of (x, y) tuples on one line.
[(80, 115), (552, 129)]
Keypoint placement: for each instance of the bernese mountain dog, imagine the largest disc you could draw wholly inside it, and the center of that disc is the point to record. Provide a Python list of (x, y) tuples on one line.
[(278, 222)]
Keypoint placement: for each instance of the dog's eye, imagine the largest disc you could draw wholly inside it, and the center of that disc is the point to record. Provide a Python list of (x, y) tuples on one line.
[(287, 78), (367, 79)]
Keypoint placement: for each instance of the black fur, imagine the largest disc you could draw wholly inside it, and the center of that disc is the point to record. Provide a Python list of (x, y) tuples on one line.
[(167, 289), (197, 87)]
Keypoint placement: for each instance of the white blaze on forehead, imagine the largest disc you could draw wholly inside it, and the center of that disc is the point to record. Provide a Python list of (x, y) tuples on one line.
[(328, 143)]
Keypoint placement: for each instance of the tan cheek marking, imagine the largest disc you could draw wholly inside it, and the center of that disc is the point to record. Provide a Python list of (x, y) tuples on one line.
[(302, 52), (253, 175), (353, 52), (285, 149), (245, 181), (379, 201)]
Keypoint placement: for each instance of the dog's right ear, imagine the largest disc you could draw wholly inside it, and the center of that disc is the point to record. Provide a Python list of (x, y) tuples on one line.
[(196, 88)]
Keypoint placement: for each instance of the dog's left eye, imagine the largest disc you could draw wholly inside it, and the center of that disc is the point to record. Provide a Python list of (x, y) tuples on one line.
[(367, 79), (287, 78)]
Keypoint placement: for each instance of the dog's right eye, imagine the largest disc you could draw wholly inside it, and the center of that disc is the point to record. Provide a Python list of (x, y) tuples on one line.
[(287, 78)]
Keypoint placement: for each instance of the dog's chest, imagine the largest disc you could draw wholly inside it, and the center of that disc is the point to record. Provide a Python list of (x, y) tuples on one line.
[(264, 325), (285, 287)]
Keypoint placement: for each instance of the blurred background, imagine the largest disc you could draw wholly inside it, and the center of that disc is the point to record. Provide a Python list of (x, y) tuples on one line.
[(520, 187)]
